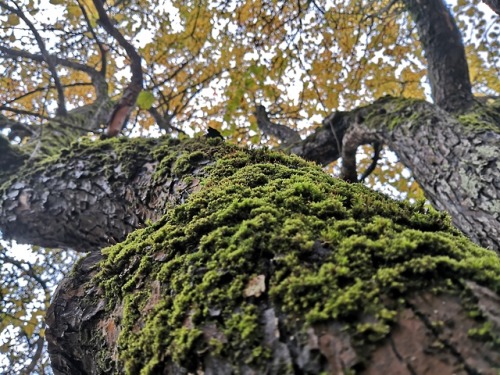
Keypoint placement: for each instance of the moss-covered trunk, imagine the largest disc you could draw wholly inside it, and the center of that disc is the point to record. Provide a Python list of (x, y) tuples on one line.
[(270, 266)]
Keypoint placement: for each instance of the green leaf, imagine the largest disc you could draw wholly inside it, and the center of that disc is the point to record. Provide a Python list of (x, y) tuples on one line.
[(56, 2), (145, 100)]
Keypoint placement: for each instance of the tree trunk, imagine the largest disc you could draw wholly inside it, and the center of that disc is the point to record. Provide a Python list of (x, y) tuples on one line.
[(241, 261), (451, 148), (455, 162), (272, 267), (309, 275), (446, 62)]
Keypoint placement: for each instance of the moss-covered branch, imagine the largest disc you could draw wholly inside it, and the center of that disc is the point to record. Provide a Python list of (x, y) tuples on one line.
[(95, 193), (273, 267)]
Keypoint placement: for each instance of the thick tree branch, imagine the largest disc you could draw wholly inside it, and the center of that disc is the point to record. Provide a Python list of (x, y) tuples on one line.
[(283, 133), (349, 166), (446, 62), (456, 164), (95, 195), (352, 139), (333, 278)]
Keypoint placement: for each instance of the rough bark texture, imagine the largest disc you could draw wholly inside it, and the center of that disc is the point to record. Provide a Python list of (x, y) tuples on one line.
[(455, 163), (447, 67), (273, 267), (453, 158), (258, 263), (83, 203), (93, 195)]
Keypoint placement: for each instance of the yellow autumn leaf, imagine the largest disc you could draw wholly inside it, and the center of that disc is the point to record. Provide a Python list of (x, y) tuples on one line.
[(13, 20)]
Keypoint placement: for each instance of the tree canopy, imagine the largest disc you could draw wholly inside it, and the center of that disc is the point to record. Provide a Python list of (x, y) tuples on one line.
[(87, 68), (212, 62)]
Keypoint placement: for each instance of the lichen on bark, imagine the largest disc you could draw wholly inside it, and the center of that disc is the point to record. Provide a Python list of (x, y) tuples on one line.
[(270, 243)]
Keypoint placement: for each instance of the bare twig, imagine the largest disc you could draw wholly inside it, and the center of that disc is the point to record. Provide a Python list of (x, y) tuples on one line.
[(164, 121), (97, 79), (101, 47), (36, 357)]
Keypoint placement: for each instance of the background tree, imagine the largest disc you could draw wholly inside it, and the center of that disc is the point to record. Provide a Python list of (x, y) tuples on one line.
[(74, 68)]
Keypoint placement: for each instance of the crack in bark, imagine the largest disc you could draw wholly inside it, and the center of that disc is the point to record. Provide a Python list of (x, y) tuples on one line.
[(445, 342), (401, 359)]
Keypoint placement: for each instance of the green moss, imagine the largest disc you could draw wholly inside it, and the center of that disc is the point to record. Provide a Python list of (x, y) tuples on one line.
[(389, 111), (327, 250), (184, 162), (482, 117), (486, 333)]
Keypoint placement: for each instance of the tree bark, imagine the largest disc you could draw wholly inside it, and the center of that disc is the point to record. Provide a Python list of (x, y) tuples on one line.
[(90, 204), (95, 194), (122, 183), (455, 163), (453, 158), (494, 5), (447, 67), (273, 267)]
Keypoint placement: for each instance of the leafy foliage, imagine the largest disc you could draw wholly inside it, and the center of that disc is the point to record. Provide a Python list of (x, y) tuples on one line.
[(214, 60)]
